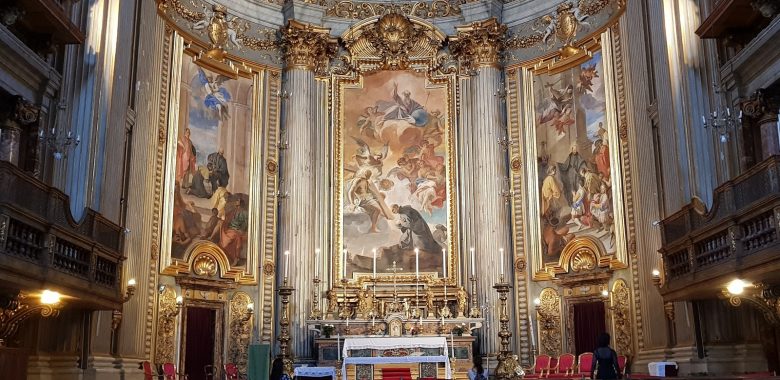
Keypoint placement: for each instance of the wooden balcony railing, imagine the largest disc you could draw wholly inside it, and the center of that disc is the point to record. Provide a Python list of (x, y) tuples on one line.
[(41, 246), (741, 233)]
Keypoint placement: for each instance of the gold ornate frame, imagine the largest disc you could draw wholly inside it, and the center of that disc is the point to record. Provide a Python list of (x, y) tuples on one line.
[(525, 176), (173, 266), (371, 50)]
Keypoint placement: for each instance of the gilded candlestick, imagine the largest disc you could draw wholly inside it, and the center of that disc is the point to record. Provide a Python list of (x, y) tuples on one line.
[(316, 312), (474, 312), (506, 362), (285, 352)]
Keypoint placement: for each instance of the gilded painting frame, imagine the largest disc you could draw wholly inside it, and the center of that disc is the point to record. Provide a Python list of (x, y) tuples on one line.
[(529, 172), (362, 41), (184, 49)]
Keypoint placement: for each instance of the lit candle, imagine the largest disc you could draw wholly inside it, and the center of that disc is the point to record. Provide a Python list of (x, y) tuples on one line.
[(452, 344), (417, 262), (473, 272), (501, 254), (338, 346), (344, 265), (703, 120), (444, 262), (374, 262), (533, 334), (317, 263), (373, 321), (286, 263)]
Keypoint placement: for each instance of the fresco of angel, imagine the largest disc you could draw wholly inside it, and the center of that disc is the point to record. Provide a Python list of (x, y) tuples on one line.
[(558, 112), (217, 96)]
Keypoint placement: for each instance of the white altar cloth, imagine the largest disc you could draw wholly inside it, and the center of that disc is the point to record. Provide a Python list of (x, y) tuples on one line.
[(380, 343), (316, 372)]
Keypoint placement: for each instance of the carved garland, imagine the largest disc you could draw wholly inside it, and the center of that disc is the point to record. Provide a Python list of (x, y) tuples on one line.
[(621, 317), (422, 9), (240, 330), (549, 314), (167, 311)]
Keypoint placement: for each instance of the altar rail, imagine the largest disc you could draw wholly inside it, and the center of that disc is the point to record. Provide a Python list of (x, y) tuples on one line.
[(41, 245), (741, 232)]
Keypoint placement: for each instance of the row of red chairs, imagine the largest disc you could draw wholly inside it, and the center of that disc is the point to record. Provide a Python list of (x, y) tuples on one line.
[(169, 372), (546, 366)]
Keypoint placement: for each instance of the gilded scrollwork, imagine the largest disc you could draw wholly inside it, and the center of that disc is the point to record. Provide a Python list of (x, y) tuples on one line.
[(479, 44), (583, 260), (240, 330), (167, 311), (307, 46), (205, 265), (549, 317), (621, 317), (422, 9)]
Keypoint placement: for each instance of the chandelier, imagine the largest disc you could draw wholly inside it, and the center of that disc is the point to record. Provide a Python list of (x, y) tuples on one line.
[(721, 120), (58, 145)]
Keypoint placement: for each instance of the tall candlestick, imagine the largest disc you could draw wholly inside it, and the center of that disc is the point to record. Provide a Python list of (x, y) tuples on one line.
[(417, 262), (374, 251), (473, 272), (452, 344), (286, 263), (501, 254), (444, 262)]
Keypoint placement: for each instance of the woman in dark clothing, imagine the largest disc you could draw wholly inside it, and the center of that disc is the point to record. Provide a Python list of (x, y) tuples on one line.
[(605, 363), (277, 369)]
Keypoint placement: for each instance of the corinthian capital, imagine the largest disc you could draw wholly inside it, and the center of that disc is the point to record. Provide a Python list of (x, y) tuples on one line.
[(307, 46), (479, 43)]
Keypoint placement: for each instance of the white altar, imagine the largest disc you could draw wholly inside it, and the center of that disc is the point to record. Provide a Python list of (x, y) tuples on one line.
[(382, 343)]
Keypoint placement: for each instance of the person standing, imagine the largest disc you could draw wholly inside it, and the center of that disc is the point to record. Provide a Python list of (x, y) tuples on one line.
[(478, 372), (605, 362)]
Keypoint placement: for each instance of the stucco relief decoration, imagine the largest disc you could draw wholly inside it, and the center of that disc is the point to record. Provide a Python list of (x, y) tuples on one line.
[(567, 28), (167, 311), (205, 265), (549, 319), (224, 33), (308, 46), (392, 42), (479, 44), (583, 260), (240, 330), (422, 9), (621, 317)]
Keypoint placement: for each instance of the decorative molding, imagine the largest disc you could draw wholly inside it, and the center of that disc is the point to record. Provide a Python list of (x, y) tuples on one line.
[(478, 44), (393, 42), (307, 47), (358, 10), (167, 312), (549, 319), (763, 297), (621, 317), (19, 308), (240, 330)]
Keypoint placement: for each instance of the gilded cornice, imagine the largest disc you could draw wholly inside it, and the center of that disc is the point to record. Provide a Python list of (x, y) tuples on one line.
[(479, 44), (307, 46), (363, 9)]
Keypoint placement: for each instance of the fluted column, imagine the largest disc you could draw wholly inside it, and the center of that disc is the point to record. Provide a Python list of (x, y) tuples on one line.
[(307, 49), (478, 46)]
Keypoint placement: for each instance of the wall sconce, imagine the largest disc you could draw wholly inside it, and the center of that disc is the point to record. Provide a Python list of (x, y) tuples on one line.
[(18, 308), (130, 290), (763, 297), (502, 92), (605, 293), (58, 145), (116, 315), (283, 95), (737, 287), (657, 278), (281, 195), (250, 310)]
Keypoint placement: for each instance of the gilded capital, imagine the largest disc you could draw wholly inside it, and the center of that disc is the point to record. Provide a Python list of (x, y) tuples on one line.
[(480, 43), (307, 46)]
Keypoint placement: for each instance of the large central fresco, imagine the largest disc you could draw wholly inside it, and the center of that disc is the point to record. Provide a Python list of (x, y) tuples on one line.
[(395, 173)]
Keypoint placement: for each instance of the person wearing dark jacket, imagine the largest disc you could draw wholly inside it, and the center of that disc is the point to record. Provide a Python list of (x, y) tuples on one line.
[(605, 362)]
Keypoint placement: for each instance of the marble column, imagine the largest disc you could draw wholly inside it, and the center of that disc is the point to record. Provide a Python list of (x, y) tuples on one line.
[(762, 111), (307, 49), (478, 46), (24, 115)]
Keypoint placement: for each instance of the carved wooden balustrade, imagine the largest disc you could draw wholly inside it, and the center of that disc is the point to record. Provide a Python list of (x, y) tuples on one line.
[(42, 246), (740, 233)]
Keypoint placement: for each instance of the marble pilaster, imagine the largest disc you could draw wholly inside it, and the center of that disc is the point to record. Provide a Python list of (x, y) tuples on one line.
[(762, 110), (307, 49), (478, 47)]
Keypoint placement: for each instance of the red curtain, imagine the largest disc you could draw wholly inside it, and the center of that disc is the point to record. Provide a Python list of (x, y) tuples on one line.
[(201, 323), (589, 322)]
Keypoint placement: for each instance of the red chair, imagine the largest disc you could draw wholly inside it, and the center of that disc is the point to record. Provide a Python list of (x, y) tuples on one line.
[(585, 364), (565, 366), (149, 372), (231, 372), (541, 364), (169, 371), (622, 360)]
